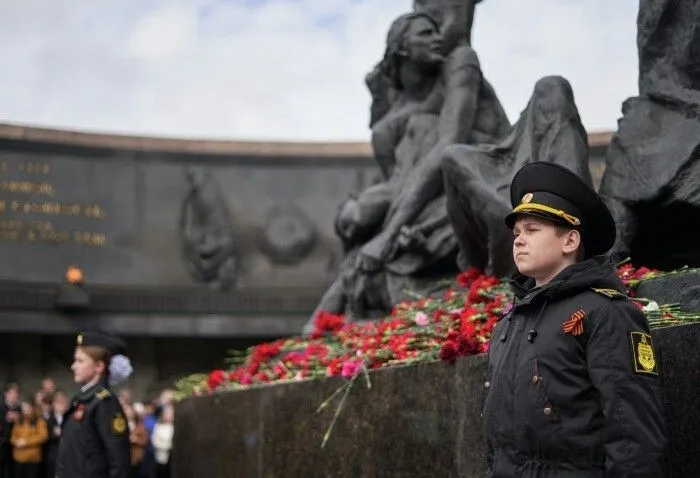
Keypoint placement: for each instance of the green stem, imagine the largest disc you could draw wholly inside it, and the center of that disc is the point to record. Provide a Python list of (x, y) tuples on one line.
[(367, 380), (327, 435), (328, 400)]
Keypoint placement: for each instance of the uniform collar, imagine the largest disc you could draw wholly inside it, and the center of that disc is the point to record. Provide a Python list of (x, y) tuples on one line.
[(593, 272), (89, 385), (88, 390)]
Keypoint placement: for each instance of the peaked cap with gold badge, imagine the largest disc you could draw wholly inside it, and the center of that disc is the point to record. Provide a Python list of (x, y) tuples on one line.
[(114, 345), (557, 194)]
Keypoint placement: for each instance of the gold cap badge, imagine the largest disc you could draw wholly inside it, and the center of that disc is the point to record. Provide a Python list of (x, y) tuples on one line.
[(526, 198), (79, 340)]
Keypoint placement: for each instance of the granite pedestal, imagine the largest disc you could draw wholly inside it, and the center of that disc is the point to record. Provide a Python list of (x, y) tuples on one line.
[(420, 421)]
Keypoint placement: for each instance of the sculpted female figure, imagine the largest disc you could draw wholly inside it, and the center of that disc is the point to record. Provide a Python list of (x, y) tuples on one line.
[(467, 111), (428, 89), (411, 67)]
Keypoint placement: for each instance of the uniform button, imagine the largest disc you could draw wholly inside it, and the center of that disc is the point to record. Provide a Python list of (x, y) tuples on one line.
[(487, 384), (535, 379), (547, 411)]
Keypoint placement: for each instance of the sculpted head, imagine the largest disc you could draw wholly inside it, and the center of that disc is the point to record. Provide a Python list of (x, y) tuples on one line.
[(193, 176), (454, 17), (412, 37), (348, 223)]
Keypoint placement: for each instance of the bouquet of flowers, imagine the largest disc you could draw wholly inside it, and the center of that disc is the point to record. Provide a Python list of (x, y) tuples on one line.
[(427, 328)]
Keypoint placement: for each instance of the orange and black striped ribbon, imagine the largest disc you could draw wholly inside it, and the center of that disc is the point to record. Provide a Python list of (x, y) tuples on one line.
[(574, 325)]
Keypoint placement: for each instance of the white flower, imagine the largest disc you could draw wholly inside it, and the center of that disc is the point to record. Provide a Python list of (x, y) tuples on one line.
[(651, 307), (119, 369)]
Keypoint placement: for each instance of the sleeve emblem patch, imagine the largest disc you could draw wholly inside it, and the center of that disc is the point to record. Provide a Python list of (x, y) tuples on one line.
[(118, 424), (643, 354)]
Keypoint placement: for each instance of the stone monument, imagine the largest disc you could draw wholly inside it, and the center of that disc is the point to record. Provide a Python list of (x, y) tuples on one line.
[(447, 154), (421, 420), (429, 92), (477, 178), (652, 176)]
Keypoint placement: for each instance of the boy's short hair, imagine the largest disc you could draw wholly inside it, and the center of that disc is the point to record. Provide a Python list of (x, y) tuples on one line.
[(561, 230)]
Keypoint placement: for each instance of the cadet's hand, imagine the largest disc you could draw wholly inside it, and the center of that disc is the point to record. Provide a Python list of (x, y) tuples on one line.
[(21, 443)]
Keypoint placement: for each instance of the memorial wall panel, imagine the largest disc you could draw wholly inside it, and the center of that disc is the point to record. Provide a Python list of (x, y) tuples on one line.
[(159, 220)]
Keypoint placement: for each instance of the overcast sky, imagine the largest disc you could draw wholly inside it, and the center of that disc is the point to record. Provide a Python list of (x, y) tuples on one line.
[(281, 69)]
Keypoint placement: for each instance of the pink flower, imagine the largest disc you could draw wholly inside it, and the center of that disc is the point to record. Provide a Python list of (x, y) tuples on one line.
[(350, 368), (507, 308), (422, 319)]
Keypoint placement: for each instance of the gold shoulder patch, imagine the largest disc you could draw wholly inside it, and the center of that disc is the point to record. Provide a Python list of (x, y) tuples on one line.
[(610, 293), (102, 394), (118, 424), (643, 354)]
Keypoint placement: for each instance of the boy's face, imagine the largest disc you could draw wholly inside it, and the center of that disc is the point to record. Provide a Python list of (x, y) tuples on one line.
[(540, 248), (60, 404), (12, 395), (48, 385), (85, 369)]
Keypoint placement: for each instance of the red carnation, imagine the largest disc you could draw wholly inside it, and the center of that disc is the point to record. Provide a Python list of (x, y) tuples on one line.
[(246, 379), (438, 314), (216, 378), (452, 336), (448, 352), (327, 322), (465, 279), (467, 347)]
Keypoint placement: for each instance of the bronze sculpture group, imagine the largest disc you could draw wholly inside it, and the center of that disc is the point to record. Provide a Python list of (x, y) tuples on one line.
[(447, 154)]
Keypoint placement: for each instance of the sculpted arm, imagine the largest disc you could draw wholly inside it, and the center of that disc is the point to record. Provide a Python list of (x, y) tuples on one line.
[(463, 79), (458, 115)]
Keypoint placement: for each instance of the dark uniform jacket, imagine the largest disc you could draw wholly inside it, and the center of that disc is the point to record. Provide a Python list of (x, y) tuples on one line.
[(52, 447), (573, 382), (94, 437), (6, 430)]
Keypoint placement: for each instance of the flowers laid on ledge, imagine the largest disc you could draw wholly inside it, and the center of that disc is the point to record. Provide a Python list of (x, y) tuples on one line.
[(456, 324)]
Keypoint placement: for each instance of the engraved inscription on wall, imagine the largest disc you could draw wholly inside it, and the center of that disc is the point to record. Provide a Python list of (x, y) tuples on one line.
[(57, 211), (116, 216), (30, 204)]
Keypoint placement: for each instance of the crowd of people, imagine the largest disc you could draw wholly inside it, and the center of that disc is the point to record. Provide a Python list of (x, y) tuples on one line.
[(30, 431)]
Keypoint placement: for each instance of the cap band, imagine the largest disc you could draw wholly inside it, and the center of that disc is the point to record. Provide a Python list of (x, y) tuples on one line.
[(573, 220)]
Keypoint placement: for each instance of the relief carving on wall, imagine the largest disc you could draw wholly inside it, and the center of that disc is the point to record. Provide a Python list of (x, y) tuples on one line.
[(207, 234), (288, 235)]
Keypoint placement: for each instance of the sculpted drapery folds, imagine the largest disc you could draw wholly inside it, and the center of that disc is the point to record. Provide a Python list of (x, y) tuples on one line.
[(477, 177)]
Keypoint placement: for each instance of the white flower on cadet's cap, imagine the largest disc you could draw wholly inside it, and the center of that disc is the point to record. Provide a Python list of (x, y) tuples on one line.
[(119, 369)]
